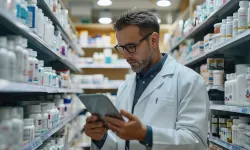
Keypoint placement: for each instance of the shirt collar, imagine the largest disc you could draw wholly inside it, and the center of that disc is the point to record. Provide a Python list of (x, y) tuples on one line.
[(156, 68)]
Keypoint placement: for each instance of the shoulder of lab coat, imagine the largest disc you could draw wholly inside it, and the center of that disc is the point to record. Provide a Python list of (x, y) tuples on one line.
[(192, 113)]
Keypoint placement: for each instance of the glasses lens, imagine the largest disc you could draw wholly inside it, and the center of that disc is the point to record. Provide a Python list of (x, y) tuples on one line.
[(119, 49), (130, 48)]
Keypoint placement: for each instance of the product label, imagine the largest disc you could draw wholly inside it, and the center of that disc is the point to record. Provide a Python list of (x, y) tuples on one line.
[(32, 17), (54, 81), (49, 122), (18, 8), (44, 124), (25, 68), (38, 124), (31, 72), (229, 31), (219, 63), (24, 16), (247, 89), (211, 63), (242, 21), (28, 134), (35, 73)]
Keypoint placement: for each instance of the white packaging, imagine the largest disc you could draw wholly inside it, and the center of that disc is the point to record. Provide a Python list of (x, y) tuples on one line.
[(28, 130), (223, 30), (41, 72), (54, 78), (25, 60), (247, 91), (46, 30), (227, 90), (45, 117), (19, 56), (235, 131), (35, 70), (31, 66), (4, 59), (12, 61), (32, 8), (51, 75), (5, 128), (243, 16), (235, 24), (17, 127), (240, 86), (229, 27), (234, 95), (218, 77), (34, 112), (60, 105), (39, 22), (68, 104)]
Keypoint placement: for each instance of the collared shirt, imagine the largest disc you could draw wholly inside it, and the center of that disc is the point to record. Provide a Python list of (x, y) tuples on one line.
[(142, 81)]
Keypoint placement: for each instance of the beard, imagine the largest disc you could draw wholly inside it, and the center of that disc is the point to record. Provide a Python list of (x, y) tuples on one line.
[(139, 65)]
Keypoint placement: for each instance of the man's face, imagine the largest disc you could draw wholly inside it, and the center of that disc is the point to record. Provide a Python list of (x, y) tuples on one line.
[(144, 55)]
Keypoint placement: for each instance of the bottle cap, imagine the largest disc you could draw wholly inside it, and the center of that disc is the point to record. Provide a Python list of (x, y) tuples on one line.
[(5, 113), (244, 4), (28, 122), (235, 15), (41, 63)]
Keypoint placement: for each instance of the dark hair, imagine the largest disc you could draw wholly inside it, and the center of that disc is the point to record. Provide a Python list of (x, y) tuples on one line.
[(145, 20)]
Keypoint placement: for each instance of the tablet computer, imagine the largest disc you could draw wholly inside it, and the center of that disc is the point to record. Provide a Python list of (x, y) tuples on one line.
[(100, 105)]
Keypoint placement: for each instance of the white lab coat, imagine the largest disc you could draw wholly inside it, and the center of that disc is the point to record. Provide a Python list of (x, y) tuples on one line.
[(179, 118)]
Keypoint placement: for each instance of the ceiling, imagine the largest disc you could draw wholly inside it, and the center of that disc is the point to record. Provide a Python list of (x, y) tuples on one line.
[(82, 9)]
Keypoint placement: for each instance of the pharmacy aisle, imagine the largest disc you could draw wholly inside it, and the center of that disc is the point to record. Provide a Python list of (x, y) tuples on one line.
[(39, 105), (220, 53)]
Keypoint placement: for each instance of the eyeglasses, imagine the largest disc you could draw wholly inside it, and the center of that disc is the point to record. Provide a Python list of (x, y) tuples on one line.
[(131, 48)]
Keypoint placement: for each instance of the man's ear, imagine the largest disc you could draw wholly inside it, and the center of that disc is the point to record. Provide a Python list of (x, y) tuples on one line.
[(155, 40)]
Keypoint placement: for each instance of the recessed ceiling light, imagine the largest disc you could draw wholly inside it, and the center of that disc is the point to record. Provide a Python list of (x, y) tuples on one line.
[(105, 20), (104, 2), (163, 3)]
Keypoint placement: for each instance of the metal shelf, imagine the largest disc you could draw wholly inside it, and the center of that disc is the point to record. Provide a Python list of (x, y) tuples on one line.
[(238, 42), (98, 47), (45, 52), (224, 11), (224, 144), (47, 12), (236, 109), (107, 66), (39, 140), (15, 87)]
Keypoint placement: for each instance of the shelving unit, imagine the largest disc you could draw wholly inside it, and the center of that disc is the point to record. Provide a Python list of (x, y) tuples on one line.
[(47, 12), (100, 86), (224, 144), (107, 66), (45, 52), (235, 109), (221, 13), (39, 140), (15, 87)]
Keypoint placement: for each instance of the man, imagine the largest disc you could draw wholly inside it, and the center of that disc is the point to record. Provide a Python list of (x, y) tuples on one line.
[(165, 103)]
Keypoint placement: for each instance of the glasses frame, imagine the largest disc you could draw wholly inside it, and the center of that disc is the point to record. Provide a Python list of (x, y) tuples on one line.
[(131, 44)]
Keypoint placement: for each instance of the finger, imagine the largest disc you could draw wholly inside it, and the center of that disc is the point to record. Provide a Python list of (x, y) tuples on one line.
[(89, 119), (114, 121), (127, 114), (97, 130), (114, 128), (94, 125)]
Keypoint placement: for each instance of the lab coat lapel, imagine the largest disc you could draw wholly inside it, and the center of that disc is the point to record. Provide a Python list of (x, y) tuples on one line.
[(167, 69), (131, 93)]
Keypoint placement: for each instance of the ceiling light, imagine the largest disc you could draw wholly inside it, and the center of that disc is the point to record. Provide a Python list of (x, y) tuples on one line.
[(163, 3), (158, 20), (105, 20), (104, 2)]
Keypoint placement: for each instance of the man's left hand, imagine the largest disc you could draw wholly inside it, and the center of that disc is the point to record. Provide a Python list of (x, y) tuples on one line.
[(131, 130)]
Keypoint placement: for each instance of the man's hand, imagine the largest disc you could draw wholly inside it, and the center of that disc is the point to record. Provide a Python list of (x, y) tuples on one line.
[(131, 130), (95, 129)]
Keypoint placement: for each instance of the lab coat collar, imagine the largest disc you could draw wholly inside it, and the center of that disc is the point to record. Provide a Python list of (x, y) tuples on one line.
[(167, 69)]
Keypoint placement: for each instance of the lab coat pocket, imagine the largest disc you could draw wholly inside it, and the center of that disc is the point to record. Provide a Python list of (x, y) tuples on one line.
[(161, 112)]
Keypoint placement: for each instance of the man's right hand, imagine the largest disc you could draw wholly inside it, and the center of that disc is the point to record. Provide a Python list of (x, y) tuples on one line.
[(95, 129)]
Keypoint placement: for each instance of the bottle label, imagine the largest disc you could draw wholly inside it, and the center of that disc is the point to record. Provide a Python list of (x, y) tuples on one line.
[(31, 72), (242, 21), (35, 73), (28, 134), (248, 89), (45, 124), (32, 17)]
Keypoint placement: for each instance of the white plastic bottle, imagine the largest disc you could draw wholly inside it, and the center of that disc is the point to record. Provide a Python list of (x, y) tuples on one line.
[(39, 22), (54, 78), (19, 56), (46, 30), (243, 16), (46, 77), (12, 61), (17, 128), (50, 114), (31, 66), (35, 71), (235, 24), (25, 60), (41, 72), (45, 117), (241, 86), (4, 61), (247, 91), (28, 130), (35, 113), (51, 75), (229, 27), (235, 94), (60, 105), (56, 114), (227, 90), (223, 30), (32, 8), (52, 146), (5, 128), (235, 131)]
